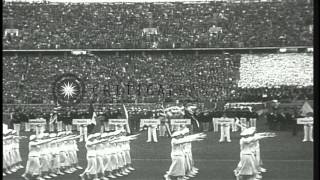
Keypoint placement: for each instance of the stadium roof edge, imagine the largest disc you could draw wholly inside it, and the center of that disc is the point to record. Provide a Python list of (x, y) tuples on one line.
[(115, 1), (254, 49), (169, 49)]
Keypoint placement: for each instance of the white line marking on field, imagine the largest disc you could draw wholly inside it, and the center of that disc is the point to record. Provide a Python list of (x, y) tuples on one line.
[(233, 160)]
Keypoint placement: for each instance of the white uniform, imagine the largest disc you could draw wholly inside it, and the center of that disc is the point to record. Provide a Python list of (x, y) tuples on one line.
[(247, 165), (225, 132), (308, 133), (177, 167), (243, 121), (152, 134), (17, 128), (253, 122), (215, 125), (234, 125)]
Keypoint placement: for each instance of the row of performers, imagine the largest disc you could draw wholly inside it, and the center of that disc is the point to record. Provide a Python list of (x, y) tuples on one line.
[(51, 155), (248, 168), (134, 116), (11, 162)]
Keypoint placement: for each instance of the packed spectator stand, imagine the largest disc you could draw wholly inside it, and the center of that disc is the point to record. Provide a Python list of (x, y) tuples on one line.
[(157, 25), (214, 77)]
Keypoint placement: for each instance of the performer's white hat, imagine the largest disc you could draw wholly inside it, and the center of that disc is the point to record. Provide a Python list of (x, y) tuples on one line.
[(32, 143), (13, 132), (96, 134), (117, 132), (111, 134), (104, 135), (248, 131), (32, 137), (41, 136), (8, 131), (52, 135), (177, 133), (91, 136), (61, 134), (4, 126), (68, 133), (185, 130), (253, 129)]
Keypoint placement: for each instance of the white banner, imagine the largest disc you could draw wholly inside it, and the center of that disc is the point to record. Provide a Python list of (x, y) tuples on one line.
[(180, 121), (12, 32), (117, 121), (81, 121), (149, 122), (39, 121), (305, 120), (224, 120)]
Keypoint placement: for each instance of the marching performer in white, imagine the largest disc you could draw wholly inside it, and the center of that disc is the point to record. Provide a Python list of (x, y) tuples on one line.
[(191, 170), (91, 169), (33, 163), (224, 130), (152, 131), (7, 148), (177, 168), (54, 168), (234, 125), (308, 130), (16, 157), (44, 159), (248, 167), (308, 133), (256, 152)]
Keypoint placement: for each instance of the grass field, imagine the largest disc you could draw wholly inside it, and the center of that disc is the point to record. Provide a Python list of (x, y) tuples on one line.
[(285, 157)]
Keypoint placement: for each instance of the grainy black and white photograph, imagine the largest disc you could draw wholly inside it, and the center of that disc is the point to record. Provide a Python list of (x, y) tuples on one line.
[(158, 89)]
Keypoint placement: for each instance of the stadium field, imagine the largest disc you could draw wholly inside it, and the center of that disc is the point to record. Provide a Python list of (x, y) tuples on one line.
[(285, 157)]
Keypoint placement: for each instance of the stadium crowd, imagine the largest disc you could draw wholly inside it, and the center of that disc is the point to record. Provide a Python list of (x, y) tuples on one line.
[(157, 25), (28, 79)]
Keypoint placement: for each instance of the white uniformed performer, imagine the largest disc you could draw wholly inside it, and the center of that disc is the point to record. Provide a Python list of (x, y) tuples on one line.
[(152, 131), (248, 168), (215, 125), (7, 146), (54, 167), (71, 150), (234, 125), (256, 152), (191, 170), (52, 121), (308, 133), (224, 131), (308, 130), (15, 153), (253, 122), (33, 163), (83, 132), (91, 169), (99, 157), (243, 121), (178, 166), (44, 160)]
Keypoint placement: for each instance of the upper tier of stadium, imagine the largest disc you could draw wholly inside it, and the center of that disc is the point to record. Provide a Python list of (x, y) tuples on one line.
[(156, 25)]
